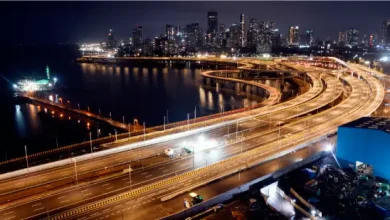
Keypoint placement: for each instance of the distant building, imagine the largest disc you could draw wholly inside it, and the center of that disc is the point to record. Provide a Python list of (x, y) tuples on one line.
[(212, 28), (193, 35), (234, 36), (293, 36), (342, 38), (137, 37), (253, 32), (276, 38), (352, 37), (264, 41), (386, 33), (309, 37), (170, 32), (242, 35), (111, 42)]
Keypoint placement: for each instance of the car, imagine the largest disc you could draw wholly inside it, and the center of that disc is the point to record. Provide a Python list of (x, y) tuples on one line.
[(169, 152), (196, 198)]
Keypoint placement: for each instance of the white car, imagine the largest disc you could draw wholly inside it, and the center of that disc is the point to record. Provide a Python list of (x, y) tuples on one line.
[(169, 152)]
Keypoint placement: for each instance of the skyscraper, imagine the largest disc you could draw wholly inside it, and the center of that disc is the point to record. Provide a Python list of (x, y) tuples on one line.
[(252, 35), (110, 42), (193, 35), (170, 32), (309, 37), (386, 33), (212, 27), (352, 37), (242, 37), (137, 36), (265, 36), (341, 38), (293, 36)]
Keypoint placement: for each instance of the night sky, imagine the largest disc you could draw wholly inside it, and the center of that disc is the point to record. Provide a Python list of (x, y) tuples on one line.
[(76, 22)]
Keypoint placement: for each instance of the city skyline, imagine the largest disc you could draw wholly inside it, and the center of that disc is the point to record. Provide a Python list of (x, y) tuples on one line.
[(77, 22)]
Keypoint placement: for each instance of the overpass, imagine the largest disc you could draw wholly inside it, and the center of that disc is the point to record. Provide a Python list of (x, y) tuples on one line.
[(365, 97)]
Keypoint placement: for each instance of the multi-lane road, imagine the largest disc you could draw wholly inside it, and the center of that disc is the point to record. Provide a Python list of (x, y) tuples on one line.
[(260, 143)]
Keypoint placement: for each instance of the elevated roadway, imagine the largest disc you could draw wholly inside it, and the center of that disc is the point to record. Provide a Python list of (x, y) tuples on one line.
[(366, 96), (336, 90), (80, 148)]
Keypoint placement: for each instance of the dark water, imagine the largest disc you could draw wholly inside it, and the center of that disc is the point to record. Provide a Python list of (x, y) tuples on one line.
[(145, 93)]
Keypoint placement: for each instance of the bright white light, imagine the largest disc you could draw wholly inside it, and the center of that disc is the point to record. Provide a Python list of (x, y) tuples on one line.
[(55, 79), (328, 147), (15, 86), (234, 58), (223, 56), (266, 55), (385, 59), (50, 84), (367, 62), (313, 212), (201, 138), (294, 200)]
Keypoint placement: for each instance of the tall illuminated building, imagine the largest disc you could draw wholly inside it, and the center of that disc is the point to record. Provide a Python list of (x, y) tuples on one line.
[(110, 42), (212, 28), (137, 36), (253, 31), (293, 36), (352, 37), (386, 33), (242, 36)]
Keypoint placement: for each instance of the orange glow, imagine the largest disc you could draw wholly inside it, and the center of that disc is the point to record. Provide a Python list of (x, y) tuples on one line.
[(52, 112), (88, 124), (61, 115), (69, 117)]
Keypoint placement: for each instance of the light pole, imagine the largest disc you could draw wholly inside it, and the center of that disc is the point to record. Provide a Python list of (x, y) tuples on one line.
[(25, 152), (75, 170), (236, 130), (130, 174), (90, 141), (110, 115), (88, 108), (56, 141), (188, 121), (164, 122), (195, 114), (116, 136), (123, 119), (99, 112), (144, 131), (78, 104), (129, 130)]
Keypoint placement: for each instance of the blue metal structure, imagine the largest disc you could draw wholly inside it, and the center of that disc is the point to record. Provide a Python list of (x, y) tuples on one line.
[(365, 140)]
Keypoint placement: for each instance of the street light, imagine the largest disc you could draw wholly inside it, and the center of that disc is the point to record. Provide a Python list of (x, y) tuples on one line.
[(90, 141), (164, 122), (144, 131), (75, 170), (25, 152), (188, 121)]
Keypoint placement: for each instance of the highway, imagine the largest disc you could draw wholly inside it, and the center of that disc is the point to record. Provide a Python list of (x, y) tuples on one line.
[(365, 98), (357, 104), (331, 93), (66, 174), (82, 148)]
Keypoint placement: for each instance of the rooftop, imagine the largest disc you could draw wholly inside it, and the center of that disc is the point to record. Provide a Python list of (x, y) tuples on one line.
[(374, 123)]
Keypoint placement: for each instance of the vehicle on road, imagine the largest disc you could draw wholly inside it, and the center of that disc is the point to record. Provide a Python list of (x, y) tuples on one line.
[(195, 198), (169, 152)]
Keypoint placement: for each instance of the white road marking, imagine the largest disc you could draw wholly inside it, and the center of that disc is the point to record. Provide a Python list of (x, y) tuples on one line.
[(8, 213), (36, 204), (64, 201), (61, 197), (38, 209)]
